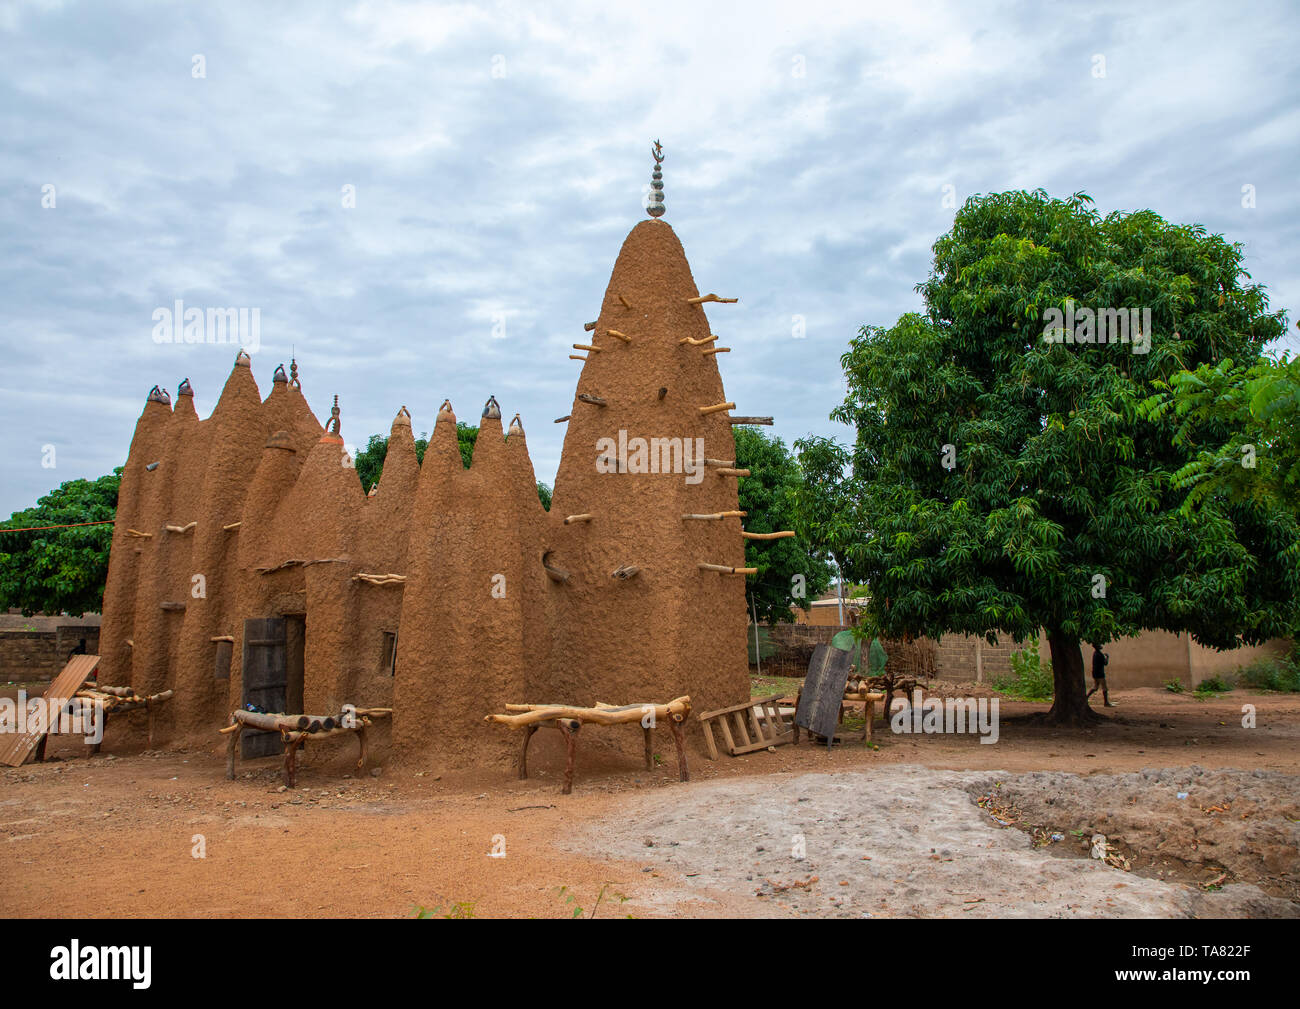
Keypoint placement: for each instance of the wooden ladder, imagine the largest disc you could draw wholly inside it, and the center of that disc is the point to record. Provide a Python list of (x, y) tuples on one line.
[(751, 725)]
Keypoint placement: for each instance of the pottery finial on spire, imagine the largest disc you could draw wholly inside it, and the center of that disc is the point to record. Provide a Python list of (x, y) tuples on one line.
[(655, 208)]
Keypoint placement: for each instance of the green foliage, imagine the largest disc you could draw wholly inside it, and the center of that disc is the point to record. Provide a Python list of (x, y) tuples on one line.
[(1282, 675), (848, 641), (1030, 679), (1212, 687), (1175, 686), (60, 570), (826, 512), (766, 649), (544, 494), (1057, 478), (768, 499), (459, 909), (877, 658), (572, 901), (1244, 425)]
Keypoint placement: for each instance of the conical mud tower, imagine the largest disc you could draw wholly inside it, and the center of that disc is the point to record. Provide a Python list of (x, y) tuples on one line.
[(645, 483), (249, 566)]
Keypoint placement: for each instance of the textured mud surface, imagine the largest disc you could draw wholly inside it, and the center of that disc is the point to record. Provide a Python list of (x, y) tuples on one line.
[(907, 841)]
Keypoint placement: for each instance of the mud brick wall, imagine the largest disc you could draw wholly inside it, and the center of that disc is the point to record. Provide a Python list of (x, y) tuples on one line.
[(954, 656), (39, 655)]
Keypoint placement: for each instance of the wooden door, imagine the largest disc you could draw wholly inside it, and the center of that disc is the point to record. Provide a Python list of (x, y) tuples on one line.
[(265, 682)]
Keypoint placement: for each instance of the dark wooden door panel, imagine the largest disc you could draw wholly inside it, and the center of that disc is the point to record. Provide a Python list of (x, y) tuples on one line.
[(265, 680)]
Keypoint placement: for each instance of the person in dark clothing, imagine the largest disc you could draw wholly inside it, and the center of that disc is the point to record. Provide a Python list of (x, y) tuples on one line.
[(79, 650), (1099, 662)]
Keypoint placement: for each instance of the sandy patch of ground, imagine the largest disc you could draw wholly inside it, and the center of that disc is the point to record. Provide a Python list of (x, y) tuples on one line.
[(903, 841)]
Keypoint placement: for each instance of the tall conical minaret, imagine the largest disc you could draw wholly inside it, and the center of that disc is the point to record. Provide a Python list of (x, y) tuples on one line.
[(647, 414)]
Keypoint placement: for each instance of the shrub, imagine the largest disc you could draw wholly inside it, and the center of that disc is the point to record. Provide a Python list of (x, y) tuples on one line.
[(1030, 679), (1175, 686), (1282, 675)]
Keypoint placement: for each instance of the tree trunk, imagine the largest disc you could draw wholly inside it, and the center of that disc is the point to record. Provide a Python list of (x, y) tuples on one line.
[(1070, 701)]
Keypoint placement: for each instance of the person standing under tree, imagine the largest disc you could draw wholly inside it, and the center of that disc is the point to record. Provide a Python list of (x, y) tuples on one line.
[(1099, 662)]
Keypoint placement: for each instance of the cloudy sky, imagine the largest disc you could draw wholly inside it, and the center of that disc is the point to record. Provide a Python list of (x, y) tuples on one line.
[(498, 154)]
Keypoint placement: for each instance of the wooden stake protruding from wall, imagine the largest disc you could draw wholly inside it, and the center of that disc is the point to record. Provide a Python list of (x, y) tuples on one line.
[(626, 303), (717, 350), (624, 571), (726, 570), (619, 336), (181, 529), (728, 471), (561, 420), (720, 462), (576, 357), (585, 517), (552, 572), (711, 297), (231, 526), (717, 408), (784, 534), (588, 326), (717, 515), (691, 341), (586, 346), (593, 400), (735, 421), (663, 391)]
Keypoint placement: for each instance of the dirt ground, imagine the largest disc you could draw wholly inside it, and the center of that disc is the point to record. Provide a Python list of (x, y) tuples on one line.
[(887, 832)]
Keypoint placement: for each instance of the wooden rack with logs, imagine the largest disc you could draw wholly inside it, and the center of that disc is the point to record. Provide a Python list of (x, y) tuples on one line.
[(297, 730), (569, 719), (119, 701)]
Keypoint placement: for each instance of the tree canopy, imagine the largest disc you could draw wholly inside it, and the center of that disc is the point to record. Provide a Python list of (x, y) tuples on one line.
[(60, 570), (767, 497), (1006, 481), (1244, 425)]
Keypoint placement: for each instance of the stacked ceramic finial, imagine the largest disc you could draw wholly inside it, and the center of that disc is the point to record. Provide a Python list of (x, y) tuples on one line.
[(655, 208)]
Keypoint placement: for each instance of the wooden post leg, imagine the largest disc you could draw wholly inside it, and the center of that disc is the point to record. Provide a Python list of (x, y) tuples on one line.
[(561, 724), (793, 723), (148, 707), (869, 710), (523, 752), (232, 744), (291, 761), (679, 737), (361, 739), (103, 731), (649, 751)]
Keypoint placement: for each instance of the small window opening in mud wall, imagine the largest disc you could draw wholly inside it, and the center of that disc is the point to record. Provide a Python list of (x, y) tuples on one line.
[(388, 654), (221, 668)]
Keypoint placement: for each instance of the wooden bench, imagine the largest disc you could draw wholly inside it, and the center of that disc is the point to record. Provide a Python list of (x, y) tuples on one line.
[(569, 719)]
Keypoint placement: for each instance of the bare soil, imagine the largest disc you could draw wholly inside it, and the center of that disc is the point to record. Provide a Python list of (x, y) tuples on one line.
[(115, 835)]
